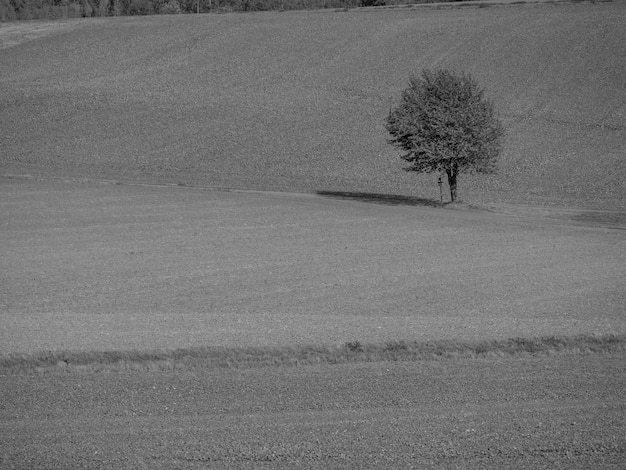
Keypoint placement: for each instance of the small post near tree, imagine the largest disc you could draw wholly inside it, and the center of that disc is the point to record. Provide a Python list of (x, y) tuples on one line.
[(444, 123)]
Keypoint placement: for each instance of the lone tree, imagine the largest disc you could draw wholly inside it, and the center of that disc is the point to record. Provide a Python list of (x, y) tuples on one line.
[(443, 123)]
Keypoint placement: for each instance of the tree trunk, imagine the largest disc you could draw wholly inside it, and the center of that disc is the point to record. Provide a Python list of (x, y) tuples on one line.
[(452, 173)]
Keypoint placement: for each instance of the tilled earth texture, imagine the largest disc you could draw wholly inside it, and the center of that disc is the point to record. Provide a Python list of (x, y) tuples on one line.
[(559, 412), (96, 267), (119, 267), (296, 102)]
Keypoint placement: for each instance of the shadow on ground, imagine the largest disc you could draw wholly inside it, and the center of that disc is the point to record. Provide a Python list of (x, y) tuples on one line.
[(389, 199), (613, 219), (592, 218), (607, 219)]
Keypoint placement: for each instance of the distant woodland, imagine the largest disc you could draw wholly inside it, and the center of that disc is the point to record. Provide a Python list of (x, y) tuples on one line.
[(11, 10)]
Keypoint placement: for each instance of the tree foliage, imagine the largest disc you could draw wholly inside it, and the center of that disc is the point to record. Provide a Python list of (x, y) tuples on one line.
[(444, 123)]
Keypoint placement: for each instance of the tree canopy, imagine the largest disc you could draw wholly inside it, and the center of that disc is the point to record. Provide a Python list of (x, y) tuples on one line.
[(444, 123)]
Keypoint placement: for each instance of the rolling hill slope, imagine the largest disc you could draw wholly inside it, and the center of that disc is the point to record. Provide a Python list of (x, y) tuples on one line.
[(297, 101)]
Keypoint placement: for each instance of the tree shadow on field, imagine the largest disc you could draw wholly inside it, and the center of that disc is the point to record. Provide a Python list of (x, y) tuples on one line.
[(614, 219), (389, 199)]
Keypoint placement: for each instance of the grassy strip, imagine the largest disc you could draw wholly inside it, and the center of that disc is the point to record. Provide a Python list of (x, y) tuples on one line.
[(241, 358)]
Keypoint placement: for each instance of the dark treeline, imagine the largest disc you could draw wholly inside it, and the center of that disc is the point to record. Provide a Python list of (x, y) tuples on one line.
[(11, 10)]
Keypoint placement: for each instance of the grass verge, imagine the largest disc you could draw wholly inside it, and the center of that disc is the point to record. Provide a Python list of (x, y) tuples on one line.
[(351, 352)]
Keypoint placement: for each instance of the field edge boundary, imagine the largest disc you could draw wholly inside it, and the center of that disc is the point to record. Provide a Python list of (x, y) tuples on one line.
[(219, 358), (594, 218)]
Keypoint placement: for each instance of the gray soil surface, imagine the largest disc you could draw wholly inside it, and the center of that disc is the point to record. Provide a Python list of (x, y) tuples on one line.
[(296, 102), (110, 267), (519, 412)]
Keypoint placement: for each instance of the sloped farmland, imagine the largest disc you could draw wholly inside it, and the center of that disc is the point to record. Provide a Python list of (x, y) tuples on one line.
[(297, 101)]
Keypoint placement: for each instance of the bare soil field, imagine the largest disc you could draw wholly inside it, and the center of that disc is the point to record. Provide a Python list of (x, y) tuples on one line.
[(109, 267), (296, 101), (551, 412), (322, 240), (99, 266)]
